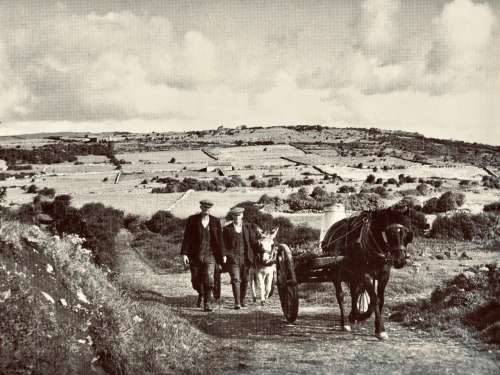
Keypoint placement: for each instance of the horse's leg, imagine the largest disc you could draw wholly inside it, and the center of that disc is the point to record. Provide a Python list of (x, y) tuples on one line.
[(382, 283), (374, 301), (337, 282), (354, 290)]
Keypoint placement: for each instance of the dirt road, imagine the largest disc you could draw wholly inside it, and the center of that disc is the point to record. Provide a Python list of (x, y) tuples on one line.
[(314, 344)]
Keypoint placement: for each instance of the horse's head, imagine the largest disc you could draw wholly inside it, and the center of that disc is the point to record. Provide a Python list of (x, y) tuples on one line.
[(266, 241), (396, 235)]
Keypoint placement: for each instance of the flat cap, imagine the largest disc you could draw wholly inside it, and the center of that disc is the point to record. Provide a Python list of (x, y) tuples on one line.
[(236, 210), (207, 202)]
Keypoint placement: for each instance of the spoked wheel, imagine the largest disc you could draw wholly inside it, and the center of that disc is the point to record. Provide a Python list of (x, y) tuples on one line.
[(365, 310), (288, 288)]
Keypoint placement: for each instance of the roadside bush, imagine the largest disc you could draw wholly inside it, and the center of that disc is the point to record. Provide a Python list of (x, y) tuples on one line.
[(466, 227), (423, 189), (392, 181), (32, 189), (457, 305), (319, 194), (302, 235), (164, 223), (132, 223), (492, 207), (382, 191), (48, 192), (296, 183), (346, 189), (430, 206), (359, 202), (258, 184), (491, 182), (410, 202), (100, 227), (265, 199), (448, 201), (370, 179), (274, 181)]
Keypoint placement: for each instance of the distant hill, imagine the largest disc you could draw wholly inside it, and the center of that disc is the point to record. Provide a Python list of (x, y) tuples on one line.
[(312, 139)]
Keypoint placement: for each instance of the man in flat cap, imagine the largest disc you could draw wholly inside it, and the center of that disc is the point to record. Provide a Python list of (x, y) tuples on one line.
[(239, 242), (202, 249)]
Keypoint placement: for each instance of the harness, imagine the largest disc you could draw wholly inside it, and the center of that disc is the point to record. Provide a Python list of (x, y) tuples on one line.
[(365, 246)]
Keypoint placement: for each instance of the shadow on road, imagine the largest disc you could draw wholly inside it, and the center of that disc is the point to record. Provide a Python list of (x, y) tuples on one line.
[(254, 322)]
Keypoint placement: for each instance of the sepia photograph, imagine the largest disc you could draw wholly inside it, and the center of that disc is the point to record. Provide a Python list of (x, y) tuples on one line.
[(249, 187)]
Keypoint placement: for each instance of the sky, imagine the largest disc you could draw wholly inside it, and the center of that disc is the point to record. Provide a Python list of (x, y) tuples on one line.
[(426, 66)]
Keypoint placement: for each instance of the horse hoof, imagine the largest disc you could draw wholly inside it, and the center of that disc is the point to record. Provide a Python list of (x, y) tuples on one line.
[(382, 336), (262, 303), (347, 328)]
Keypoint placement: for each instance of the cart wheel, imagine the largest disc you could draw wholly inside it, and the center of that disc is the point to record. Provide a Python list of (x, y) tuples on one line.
[(217, 277), (365, 310), (286, 280)]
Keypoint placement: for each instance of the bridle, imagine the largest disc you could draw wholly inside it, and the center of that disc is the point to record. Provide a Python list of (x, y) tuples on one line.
[(272, 252)]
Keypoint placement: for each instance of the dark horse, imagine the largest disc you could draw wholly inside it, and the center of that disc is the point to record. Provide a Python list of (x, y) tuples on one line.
[(372, 243)]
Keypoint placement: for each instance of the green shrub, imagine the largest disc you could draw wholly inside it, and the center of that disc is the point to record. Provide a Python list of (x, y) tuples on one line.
[(370, 179), (100, 227), (492, 207), (48, 192), (164, 223), (464, 226), (132, 223)]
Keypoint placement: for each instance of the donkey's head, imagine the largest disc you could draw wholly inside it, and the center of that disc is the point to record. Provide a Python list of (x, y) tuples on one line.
[(267, 241)]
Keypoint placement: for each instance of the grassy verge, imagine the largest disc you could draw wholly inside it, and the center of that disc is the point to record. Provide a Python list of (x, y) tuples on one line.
[(99, 325)]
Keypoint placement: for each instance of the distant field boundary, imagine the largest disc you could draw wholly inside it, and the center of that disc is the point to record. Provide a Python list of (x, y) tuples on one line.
[(489, 172), (209, 154), (294, 161), (181, 198)]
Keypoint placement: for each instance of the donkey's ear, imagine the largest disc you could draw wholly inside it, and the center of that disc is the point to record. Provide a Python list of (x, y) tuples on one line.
[(274, 232), (259, 230)]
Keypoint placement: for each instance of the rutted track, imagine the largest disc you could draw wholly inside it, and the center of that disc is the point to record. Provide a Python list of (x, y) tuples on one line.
[(313, 345)]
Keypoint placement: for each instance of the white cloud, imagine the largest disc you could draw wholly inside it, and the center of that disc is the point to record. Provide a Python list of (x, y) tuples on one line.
[(378, 25), (459, 57)]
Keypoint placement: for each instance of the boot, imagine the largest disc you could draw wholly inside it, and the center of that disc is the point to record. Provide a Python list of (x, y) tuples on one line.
[(243, 294), (236, 294), (207, 294)]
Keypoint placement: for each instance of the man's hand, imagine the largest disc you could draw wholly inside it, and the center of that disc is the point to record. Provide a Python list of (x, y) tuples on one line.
[(185, 260), (224, 259)]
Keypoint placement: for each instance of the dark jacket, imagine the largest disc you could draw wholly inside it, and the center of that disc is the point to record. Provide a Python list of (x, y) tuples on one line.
[(230, 242), (193, 235)]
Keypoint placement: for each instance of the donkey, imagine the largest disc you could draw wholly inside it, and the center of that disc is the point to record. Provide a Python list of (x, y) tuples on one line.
[(263, 271)]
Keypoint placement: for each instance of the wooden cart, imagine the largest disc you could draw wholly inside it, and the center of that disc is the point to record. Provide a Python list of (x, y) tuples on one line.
[(294, 270)]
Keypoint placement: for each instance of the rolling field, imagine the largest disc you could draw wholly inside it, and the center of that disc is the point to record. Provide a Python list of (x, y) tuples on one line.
[(163, 157), (94, 181)]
